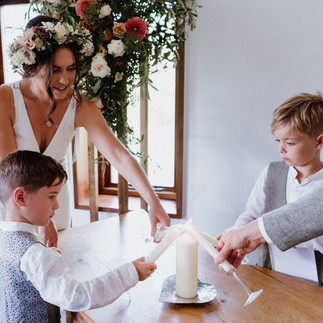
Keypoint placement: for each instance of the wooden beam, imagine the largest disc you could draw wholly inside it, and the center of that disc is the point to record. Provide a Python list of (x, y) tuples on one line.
[(8, 2), (93, 182), (122, 194), (1, 57), (144, 134), (179, 130)]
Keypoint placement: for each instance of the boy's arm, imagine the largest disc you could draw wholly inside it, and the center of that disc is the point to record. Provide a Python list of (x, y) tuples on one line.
[(47, 270), (255, 205)]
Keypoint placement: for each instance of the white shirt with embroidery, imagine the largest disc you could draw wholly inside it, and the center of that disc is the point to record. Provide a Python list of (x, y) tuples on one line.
[(47, 270)]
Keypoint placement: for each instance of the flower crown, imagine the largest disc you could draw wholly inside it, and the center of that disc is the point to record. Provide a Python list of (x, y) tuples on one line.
[(47, 37)]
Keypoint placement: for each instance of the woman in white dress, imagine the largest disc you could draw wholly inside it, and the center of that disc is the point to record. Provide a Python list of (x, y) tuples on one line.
[(42, 111)]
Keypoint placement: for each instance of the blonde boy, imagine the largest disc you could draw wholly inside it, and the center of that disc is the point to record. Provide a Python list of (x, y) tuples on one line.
[(298, 128)]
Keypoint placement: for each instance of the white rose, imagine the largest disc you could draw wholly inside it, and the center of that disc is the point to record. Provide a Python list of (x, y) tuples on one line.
[(88, 48), (23, 56), (29, 57), (116, 48), (17, 59), (105, 11), (99, 67), (61, 32)]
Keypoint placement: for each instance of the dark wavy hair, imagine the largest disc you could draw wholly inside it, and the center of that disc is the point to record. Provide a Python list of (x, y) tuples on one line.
[(45, 57)]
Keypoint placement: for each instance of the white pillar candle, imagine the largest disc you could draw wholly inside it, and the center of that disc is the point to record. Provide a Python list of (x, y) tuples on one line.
[(201, 239), (172, 234), (186, 266)]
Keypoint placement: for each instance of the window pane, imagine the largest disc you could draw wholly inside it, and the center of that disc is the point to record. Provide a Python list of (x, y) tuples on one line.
[(161, 127), (13, 21)]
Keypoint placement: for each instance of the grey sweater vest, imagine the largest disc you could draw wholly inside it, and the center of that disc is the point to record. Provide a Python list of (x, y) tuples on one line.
[(19, 299), (275, 189)]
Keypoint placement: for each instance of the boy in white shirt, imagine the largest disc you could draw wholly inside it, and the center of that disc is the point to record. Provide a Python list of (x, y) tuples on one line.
[(298, 127), (32, 275)]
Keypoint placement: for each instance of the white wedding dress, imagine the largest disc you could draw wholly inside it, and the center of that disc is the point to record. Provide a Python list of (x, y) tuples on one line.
[(57, 148)]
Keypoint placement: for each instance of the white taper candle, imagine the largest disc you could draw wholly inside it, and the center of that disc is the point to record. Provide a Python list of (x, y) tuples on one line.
[(214, 242), (172, 234), (200, 238), (186, 266)]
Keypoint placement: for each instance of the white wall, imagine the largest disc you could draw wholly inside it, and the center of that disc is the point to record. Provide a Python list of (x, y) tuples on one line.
[(242, 61)]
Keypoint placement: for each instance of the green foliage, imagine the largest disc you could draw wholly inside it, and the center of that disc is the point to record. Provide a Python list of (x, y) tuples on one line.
[(166, 22)]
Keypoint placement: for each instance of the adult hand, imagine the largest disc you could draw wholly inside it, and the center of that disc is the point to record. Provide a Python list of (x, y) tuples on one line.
[(49, 234), (235, 244), (157, 214)]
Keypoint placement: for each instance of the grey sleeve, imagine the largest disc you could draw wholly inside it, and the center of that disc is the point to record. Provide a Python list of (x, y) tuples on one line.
[(296, 222)]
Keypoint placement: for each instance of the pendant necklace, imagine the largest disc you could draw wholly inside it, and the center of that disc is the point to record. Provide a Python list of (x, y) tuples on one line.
[(48, 122)]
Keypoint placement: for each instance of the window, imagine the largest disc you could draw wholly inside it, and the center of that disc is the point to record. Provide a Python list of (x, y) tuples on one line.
[(165, 138), (14, 15)]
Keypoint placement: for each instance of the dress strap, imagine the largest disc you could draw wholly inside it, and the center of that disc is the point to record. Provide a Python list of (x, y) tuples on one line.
[(15, 85)]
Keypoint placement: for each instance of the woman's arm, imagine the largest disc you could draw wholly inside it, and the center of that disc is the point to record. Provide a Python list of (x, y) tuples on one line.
[(7, 113), (89, 117)]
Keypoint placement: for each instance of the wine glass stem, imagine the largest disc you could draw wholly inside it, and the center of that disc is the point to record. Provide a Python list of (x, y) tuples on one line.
[(241, 283)]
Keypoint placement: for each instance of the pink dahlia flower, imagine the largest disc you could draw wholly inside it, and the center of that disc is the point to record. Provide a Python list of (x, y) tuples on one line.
[(136, 27), (83, 5)]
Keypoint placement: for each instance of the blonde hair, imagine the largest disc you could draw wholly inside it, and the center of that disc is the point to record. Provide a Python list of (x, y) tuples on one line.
[(303, 112)]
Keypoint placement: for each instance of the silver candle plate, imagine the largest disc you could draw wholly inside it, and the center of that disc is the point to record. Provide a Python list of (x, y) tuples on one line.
[(205, 293)]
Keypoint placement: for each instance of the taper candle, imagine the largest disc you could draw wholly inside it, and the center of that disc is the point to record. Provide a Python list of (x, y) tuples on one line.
[(172, 234), (214, 242), (186, 266), (200, 238)]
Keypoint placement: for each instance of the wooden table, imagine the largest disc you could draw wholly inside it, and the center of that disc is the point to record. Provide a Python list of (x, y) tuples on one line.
[(92, 249)]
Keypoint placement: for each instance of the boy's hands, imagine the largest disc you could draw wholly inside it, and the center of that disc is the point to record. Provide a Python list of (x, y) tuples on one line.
[(144, 269), (49, 234)]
